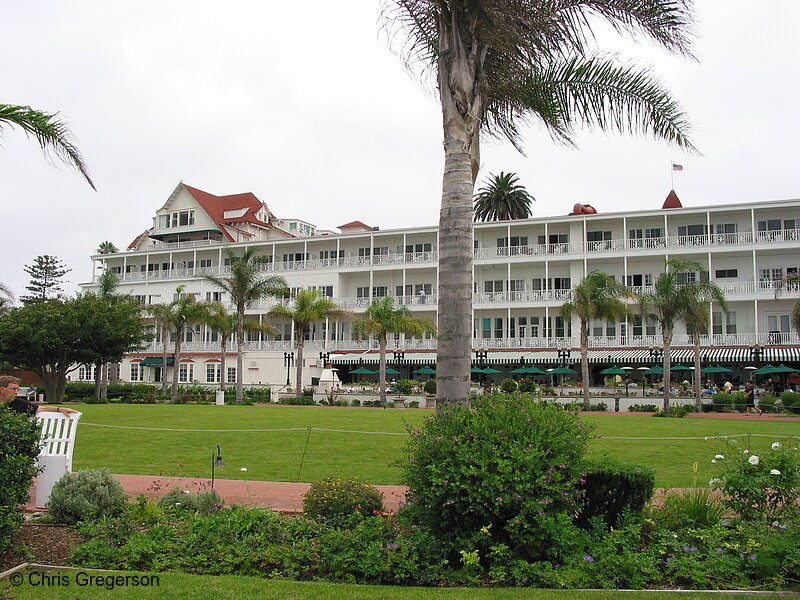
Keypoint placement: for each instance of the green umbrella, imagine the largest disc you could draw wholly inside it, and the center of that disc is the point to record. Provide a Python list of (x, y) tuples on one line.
[(362, 371), (709, 370), (783, 369), (426, 371), (562, 371), (534, 371), (477, 370), (520, 371), (490, 370), (655, 370), (681, 368), (613, 371), (390, 371), (765, 370)]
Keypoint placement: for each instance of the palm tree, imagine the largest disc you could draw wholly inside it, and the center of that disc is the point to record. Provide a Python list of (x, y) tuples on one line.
[(502, 64), (244, 285), (598, 296), (175, 318), (383, 317), (672, 299), (109, 283), (52, 134), (697, 309), (224, 323), (107, 248), (502, 199), (309, 308)]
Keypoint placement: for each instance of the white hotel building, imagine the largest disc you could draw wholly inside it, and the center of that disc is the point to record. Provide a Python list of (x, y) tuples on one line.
[(523, 272)]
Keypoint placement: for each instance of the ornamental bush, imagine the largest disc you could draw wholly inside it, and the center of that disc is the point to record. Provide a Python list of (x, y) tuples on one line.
[(405, 386), (84, 495), (19, 447), (509, 386), (202, 502), (527, 386), (761, 485), (430, 387), (611, 488), (335, 501), (499, 481)]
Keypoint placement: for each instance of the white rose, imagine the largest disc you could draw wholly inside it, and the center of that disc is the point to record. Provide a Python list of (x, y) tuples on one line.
[(719, 457), (243, 469), (753, 460), (774, 472), (776, 445)]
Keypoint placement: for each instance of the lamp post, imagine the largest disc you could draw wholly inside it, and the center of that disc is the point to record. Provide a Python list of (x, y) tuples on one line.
[(399, 357), (216, 461), (288, 361), (756, 351), (563, 354), (324, 357)]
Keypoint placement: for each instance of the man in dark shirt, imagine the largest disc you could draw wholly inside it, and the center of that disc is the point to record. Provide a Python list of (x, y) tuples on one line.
[(9, 388)]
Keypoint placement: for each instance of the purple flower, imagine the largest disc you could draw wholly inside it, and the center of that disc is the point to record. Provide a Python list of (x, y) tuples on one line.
[(412, 460), (719, 549), (669, 559), (588, 558), (450, 502), (562, 466), (598, 435), (498, 499), (753, 557)]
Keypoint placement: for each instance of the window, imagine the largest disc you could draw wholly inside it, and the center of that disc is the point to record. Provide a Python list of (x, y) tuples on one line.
[(204, 263), (186, 372), (685, 230), (517, 285), (400, 291), (597, 236), (179, 218), (136, 372), (231, 375), (684, 278), (722, 228), (362, 292), (494, 286), (380, 251), (292, 226), (498, 328), (212, 372), (522, 325), (726, 273), (777, 225), (327, 290), (86, 372), (213, 296), (380, 291), (717, 320)]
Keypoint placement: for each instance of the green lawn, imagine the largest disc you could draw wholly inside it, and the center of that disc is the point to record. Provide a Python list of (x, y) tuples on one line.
[(64, 584), (276, 455)]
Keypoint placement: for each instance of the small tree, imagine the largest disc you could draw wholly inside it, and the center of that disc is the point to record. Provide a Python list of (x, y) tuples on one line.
[(107, 248), (178, 316), (46, 279), (6, 299), (382, 318), (245, 285), (309, 308)]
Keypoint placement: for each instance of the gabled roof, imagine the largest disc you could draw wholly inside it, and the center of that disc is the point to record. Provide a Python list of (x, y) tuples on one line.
[(215, 207), (356, 225), (672, 200)]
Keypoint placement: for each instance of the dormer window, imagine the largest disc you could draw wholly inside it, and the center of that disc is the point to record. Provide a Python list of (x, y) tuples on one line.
[(179, 218)]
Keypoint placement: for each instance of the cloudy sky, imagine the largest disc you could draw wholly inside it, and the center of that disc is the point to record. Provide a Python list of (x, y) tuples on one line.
[(308, 106)]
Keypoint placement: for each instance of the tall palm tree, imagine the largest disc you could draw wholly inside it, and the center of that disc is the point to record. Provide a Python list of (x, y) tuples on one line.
[(161, 315), (500, 64), (696, 315), (502, 198), (309, 307), (176, 317), (383, 317), (107, 248), (109, 283), (52, 134), (245, 285), (673, 299), (598, 296), (224, 323)]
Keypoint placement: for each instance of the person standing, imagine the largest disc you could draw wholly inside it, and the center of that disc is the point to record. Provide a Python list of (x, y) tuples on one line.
[(750, 399)]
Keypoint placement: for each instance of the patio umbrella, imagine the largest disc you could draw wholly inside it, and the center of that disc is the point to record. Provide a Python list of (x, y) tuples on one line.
[(520, 371), (534, 371), (655, 370), (390, 371), (362, 371), (709, 370), (681, 368), (562, 371), (426, 371), (783, 369), (477, 370), (765, 370), (613, 371), (490, 370)]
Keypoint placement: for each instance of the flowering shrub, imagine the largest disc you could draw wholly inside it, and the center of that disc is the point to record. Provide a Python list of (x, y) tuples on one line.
[(84, 495), (334, 500), (762, 486), (501, 479)]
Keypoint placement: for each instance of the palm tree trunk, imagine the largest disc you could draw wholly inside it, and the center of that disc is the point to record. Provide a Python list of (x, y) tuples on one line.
[(587, 403), (240, 354), (164, 359), (176, 367), (98, 375), (382, 369), (462, 110), (299, 371), (667, 365), (222, 363), (698, 393)]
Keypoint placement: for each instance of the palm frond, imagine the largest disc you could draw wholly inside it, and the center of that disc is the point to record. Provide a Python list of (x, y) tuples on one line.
[(51, 134)]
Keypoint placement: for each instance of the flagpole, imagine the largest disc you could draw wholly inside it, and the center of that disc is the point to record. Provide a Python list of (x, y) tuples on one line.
[(672, 175)]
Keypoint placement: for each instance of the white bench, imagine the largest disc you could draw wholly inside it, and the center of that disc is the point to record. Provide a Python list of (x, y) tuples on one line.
[(57, 444)]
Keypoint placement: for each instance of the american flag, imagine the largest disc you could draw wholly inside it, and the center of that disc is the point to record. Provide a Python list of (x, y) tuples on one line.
[(677, 167)]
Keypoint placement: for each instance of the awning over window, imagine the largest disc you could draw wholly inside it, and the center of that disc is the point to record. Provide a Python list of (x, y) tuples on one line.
[(157, 361)]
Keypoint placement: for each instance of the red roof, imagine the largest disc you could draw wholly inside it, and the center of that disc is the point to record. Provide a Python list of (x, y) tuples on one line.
[(216, 206), (672, 201), (354, 224)]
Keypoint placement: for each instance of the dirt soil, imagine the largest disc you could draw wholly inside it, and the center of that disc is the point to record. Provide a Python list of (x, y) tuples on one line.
[(39, 543)]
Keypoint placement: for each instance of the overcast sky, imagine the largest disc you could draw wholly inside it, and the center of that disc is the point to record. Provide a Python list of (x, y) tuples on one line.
[(308, 106)]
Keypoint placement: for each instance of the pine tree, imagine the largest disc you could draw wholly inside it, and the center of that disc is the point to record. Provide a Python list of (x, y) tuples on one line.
[(46, 273)]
